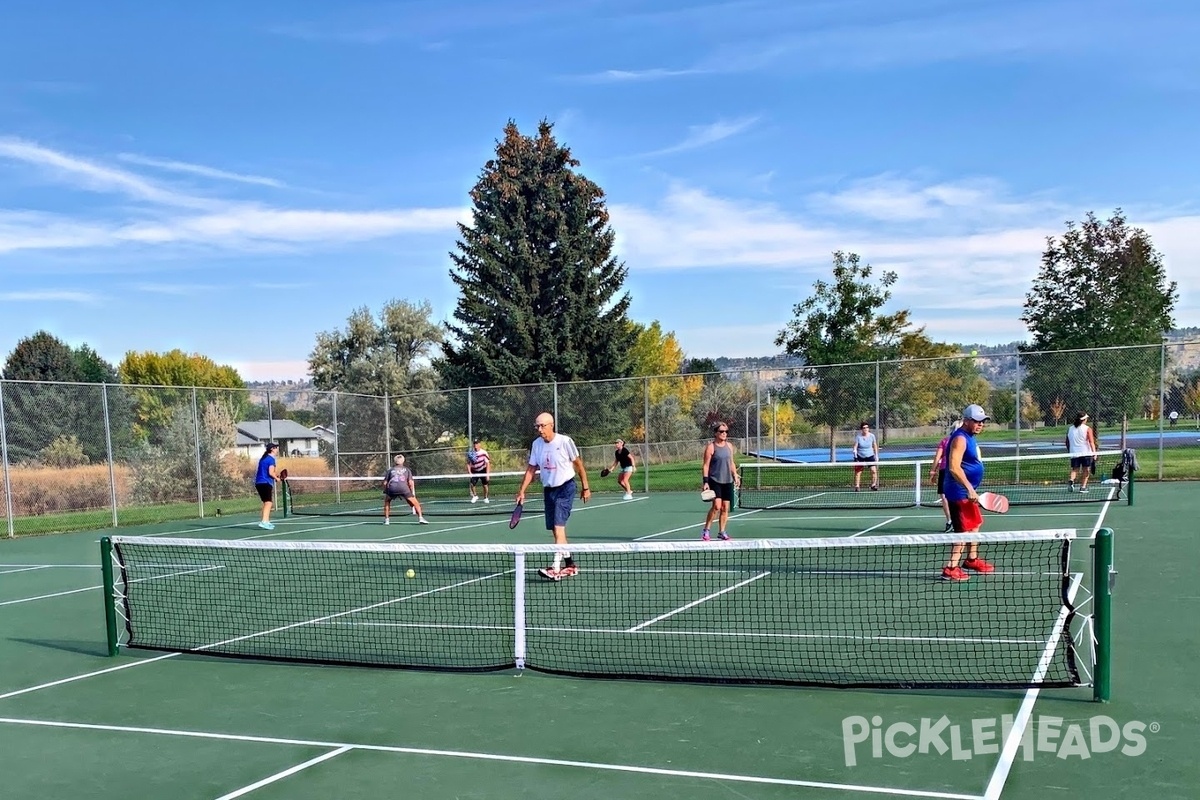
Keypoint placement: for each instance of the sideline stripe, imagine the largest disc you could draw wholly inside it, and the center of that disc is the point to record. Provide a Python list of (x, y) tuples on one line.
[(557, 762)]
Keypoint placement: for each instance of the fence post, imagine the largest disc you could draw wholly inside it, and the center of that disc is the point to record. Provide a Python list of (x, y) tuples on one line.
[(337, 456), (1103, 578), (270, 419), (556, 419), (757, 411), (110, 604), (112, 477), (646, 434), (1162, 403), (470, 419), (8, 503), (878, 425), (199, 460), (387, 431)]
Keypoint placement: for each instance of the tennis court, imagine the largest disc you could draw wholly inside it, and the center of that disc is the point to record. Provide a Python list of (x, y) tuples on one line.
[(74, 722)]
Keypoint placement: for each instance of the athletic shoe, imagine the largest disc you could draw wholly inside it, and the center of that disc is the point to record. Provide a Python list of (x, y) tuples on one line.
[(949, 527), (723, 536), (978, 565), (1083, 490), (704, 537), (550, 573), (487, 499), (1070, 486), (874, 488), (266, 526), (569, 572), (954, 574), (628, 496), (474, 498), (422, 521), (387, 521)]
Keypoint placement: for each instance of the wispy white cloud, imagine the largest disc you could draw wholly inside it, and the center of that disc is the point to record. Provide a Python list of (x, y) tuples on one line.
[(892, 199), (205, 221), (177, 289), (82, 173), (703, 135), (201, 170), (50, 296), (640, 75)]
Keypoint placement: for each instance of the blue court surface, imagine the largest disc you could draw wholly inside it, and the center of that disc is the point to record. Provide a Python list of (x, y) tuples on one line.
[(910, 452)]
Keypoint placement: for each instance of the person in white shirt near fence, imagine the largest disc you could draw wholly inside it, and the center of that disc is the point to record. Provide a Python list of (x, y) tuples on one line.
[(1081, 445)]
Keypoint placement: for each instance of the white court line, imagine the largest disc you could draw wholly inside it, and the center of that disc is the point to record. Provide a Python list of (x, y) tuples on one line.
[(694, 603), (302, 530), (58, 566), (732, 517), (74, 678), (503, 520), (873, 527), (554, 762), (290, 771), (1008, 752), (24, 569), (91, 588)]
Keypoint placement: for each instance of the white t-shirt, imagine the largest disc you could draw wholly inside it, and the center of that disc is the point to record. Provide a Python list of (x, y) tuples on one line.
[(1077, 440), (554, 458)]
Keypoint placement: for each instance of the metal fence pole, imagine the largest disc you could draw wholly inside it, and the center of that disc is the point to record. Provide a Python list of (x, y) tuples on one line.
[(470, 419), (757, 411), (1162, 403), (112, 476), (878, 424), (270, 419), (646, 435), (387, 430), (1017, 444), (8, 503), (556, 422), (337, 458), (199, 461)]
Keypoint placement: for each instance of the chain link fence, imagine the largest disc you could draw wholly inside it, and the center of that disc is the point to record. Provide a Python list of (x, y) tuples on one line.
[(78, 456)]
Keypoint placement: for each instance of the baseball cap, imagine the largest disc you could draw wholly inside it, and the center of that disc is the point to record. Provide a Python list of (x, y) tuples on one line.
[(975, 413), (271, 446), (478, 440)]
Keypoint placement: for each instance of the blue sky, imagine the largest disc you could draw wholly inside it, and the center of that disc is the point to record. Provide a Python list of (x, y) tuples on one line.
[(231, 178)]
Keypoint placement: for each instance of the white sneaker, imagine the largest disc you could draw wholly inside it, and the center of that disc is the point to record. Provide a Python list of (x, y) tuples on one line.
[(422, 521), (487, 499), (629, 495), (387, 521), (474, 498)]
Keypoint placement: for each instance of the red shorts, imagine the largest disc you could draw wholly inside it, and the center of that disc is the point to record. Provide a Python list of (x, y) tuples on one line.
[(965, 515)]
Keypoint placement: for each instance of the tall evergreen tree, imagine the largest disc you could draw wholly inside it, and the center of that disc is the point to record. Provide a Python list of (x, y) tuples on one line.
[(1101, 284), (541, 291)]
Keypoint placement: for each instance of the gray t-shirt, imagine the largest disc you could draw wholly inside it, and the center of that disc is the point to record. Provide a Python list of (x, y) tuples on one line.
[(396, 481), (720, 466)]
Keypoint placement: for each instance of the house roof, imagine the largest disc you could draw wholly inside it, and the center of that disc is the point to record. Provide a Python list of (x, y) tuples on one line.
[(261, 430)]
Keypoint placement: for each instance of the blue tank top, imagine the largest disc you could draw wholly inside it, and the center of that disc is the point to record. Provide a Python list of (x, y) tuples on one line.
[(971, 465)]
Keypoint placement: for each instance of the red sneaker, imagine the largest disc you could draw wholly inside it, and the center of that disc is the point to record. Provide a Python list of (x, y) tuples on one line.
[(550, 573), (954, 574), (978, 565), (568, 572)]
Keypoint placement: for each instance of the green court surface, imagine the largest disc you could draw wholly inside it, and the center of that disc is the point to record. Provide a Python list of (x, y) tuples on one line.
[(147, 724)]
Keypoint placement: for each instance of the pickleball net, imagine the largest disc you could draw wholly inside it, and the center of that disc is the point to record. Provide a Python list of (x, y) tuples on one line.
[(1025, 480), (440, 495), (866, 611)]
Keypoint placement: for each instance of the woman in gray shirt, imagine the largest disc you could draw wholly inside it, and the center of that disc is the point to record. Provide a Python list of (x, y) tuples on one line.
[(721, 476)]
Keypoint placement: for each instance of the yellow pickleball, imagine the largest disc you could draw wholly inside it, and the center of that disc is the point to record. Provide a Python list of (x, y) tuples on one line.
[(412, 573)]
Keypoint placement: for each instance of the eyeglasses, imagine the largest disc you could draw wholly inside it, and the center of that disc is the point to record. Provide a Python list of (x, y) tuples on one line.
[(722, 430), (541, 424)]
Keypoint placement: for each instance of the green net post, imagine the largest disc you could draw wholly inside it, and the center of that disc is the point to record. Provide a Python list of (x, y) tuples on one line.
[(110, 603), (286, 494), (1129, 488), (1104, 576)]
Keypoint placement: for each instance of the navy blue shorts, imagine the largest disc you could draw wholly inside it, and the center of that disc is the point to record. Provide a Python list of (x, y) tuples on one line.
[(559, 500), (1082, 462)]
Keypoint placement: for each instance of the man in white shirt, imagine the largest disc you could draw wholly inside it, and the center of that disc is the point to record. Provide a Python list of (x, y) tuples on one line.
[(558, 460)]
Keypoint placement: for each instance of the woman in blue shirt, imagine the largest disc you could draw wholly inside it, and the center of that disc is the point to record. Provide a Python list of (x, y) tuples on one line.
[(264, 483)]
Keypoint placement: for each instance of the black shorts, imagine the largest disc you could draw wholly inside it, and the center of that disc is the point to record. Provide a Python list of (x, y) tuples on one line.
[(1083, 462), (477, 480), (724, 491), (266, 491), (941, 481)]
